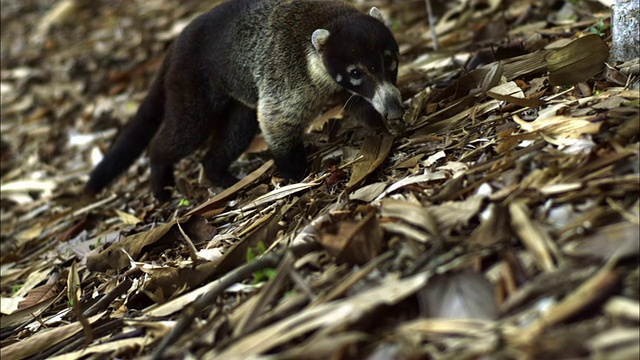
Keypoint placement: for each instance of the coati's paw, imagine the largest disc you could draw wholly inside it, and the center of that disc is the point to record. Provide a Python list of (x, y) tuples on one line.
[(293, 166), (161, 181), (162, 195), (295, 172), (293, 176)]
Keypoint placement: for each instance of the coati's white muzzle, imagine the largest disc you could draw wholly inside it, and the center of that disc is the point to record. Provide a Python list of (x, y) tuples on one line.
[(388, 102)]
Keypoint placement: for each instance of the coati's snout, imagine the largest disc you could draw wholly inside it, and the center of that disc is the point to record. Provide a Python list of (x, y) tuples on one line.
[(388, 102), (363, 59)]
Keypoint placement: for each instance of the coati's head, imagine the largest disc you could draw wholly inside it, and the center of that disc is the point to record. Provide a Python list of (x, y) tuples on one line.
[(361, 55)]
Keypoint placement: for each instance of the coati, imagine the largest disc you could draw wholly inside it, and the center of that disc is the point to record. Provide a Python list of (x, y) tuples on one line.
[(249, 64)]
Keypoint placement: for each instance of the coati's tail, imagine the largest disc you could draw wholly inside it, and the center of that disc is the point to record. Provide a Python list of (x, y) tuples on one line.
[(132, 140)]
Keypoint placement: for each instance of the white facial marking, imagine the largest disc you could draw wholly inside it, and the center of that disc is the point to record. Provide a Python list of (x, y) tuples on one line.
[(354, 82), (318, 73), (338, 78)]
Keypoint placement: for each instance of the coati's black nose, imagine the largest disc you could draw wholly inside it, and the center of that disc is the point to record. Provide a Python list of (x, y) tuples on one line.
[(394, 108)]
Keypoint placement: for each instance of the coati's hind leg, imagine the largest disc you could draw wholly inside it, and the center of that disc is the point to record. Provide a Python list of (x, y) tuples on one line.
[(190, 118), (229, 142)]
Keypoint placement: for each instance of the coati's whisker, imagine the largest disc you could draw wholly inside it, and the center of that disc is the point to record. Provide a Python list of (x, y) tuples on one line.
[(345, 107)]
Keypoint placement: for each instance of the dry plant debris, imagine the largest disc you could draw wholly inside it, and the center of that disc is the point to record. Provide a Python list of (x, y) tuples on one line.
[(502, 224)]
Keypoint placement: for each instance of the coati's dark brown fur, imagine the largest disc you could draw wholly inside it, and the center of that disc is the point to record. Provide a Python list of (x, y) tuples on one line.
[(256, 63)]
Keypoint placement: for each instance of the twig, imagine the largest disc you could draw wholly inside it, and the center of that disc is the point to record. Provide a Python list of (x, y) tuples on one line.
[(432, 24)]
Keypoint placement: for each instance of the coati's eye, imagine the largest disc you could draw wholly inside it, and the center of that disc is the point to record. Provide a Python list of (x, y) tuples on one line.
[(355, 75)]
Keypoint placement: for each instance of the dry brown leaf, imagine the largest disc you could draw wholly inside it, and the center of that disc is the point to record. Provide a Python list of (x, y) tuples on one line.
[(369, 192), (263, 230), (215, 202), (512, 94), (12, 271), (587, 294), (453, 214), (561, 130), (332, 315), (410, 213), (19, 190), (373, 152), (38, 295), (108, 349), (114, 257), (35, 277), (475, 335), (345, 284), (354, 241), (623, 308), (577, 61), (617, 343), (127, 218), (62, 12), (492, 78), (534, 237), (410, 180), (117, 255), (165, 282), (460, 295), (324, 346), (495, 229), (278, 194), (617, 240), (27, 314), (406, 230), (43, 340), (610, 103), (74, 292), (410, 162)]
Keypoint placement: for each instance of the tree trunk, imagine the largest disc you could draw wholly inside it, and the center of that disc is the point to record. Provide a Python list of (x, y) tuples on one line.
[(625, 20)]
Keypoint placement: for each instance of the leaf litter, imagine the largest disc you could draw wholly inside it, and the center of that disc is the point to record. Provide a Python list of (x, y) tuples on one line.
[(503, 223)]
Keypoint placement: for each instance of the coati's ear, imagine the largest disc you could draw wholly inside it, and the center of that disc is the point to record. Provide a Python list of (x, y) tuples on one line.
[(376, 13), (319, 38)]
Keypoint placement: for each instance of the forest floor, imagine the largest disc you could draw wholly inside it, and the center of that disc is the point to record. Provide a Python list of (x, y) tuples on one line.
[(502, 224)]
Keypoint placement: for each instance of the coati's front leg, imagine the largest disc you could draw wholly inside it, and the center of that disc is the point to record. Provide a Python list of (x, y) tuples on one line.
[(282, 128)]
